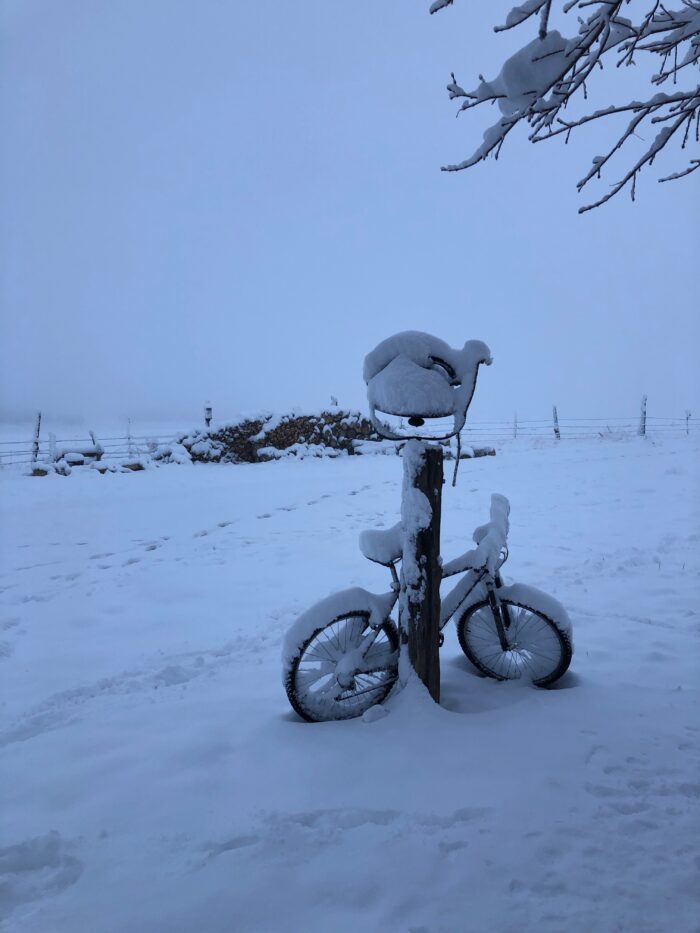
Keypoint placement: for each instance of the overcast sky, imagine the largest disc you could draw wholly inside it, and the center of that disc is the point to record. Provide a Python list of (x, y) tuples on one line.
[(236, 201)]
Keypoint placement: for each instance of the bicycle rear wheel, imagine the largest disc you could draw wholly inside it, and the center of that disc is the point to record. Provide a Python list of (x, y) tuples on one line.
[(324, 682), (539, 650)]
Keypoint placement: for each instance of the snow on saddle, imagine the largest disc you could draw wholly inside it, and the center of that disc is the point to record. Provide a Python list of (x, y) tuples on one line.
[(383, 546)]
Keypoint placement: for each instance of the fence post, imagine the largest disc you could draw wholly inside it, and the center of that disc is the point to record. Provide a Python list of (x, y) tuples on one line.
[(52, 448), (687, 420), (515, 425), (643, 418), (35, 445), (99, 449), (207, 414), (128, 437), (419, 607), (555, 416)]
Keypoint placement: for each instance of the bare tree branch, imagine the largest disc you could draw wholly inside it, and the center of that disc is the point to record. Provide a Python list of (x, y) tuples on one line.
[(648, 157), (536, 84)]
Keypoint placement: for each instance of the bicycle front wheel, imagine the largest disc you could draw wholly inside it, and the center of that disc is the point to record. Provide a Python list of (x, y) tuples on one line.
[(333, 675), (538, 651)]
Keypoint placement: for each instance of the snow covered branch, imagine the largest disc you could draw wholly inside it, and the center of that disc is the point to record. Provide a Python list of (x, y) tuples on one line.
[(538, 82)]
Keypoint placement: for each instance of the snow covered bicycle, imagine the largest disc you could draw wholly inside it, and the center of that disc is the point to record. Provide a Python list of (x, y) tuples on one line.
[(341, 656)]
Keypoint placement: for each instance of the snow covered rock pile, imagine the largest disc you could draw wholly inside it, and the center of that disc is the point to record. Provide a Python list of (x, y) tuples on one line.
[(270, 437)]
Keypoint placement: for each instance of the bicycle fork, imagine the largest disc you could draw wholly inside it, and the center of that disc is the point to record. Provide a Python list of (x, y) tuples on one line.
[(354, 662), (501, 613)]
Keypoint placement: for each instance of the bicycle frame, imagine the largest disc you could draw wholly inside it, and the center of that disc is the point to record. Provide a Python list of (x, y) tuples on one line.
[(459, 595)]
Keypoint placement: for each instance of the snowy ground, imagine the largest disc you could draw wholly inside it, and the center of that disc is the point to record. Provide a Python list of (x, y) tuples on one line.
[(153, 777)]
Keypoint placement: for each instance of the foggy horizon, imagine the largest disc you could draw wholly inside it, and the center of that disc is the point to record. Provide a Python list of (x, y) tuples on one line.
[(238, 206)]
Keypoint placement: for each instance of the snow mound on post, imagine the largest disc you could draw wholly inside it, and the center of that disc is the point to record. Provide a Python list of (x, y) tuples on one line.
[(404, 387), (407, 374)]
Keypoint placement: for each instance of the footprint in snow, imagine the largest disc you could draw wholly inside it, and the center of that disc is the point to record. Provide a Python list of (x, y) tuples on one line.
[(447, 847), (282, 834), (213, 849), (61, 709), (36, 868)]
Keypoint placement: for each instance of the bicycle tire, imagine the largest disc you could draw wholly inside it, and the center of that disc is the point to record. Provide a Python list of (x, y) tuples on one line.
[(542, 650), (324, 648)]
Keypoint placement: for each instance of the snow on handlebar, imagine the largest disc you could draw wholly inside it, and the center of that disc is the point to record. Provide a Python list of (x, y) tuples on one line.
[(490, 539)]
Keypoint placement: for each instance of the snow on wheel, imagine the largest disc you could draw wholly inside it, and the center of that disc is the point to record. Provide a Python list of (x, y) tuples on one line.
[(539, 649), (343, 668)]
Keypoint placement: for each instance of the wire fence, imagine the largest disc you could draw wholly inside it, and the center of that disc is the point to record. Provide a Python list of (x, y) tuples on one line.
[(580, 428), (23, 452)]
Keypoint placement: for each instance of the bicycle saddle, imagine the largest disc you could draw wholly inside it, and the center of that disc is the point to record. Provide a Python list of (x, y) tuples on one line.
[(383, 546)]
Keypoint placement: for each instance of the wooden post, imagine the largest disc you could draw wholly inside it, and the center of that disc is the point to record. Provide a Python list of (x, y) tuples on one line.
[(99, 449), (515, 425), (35, 445), (207, 414), (128, 437), (557, 432), (52, 447), (643, 418), (687, 421), (419, 606)]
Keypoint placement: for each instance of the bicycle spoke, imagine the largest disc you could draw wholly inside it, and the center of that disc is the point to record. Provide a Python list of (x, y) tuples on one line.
[(371, 676), (535, 648), (358, 693)]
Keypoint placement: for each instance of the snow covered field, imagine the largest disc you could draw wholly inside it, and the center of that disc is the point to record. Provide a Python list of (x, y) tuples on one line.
[(153, 777)]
